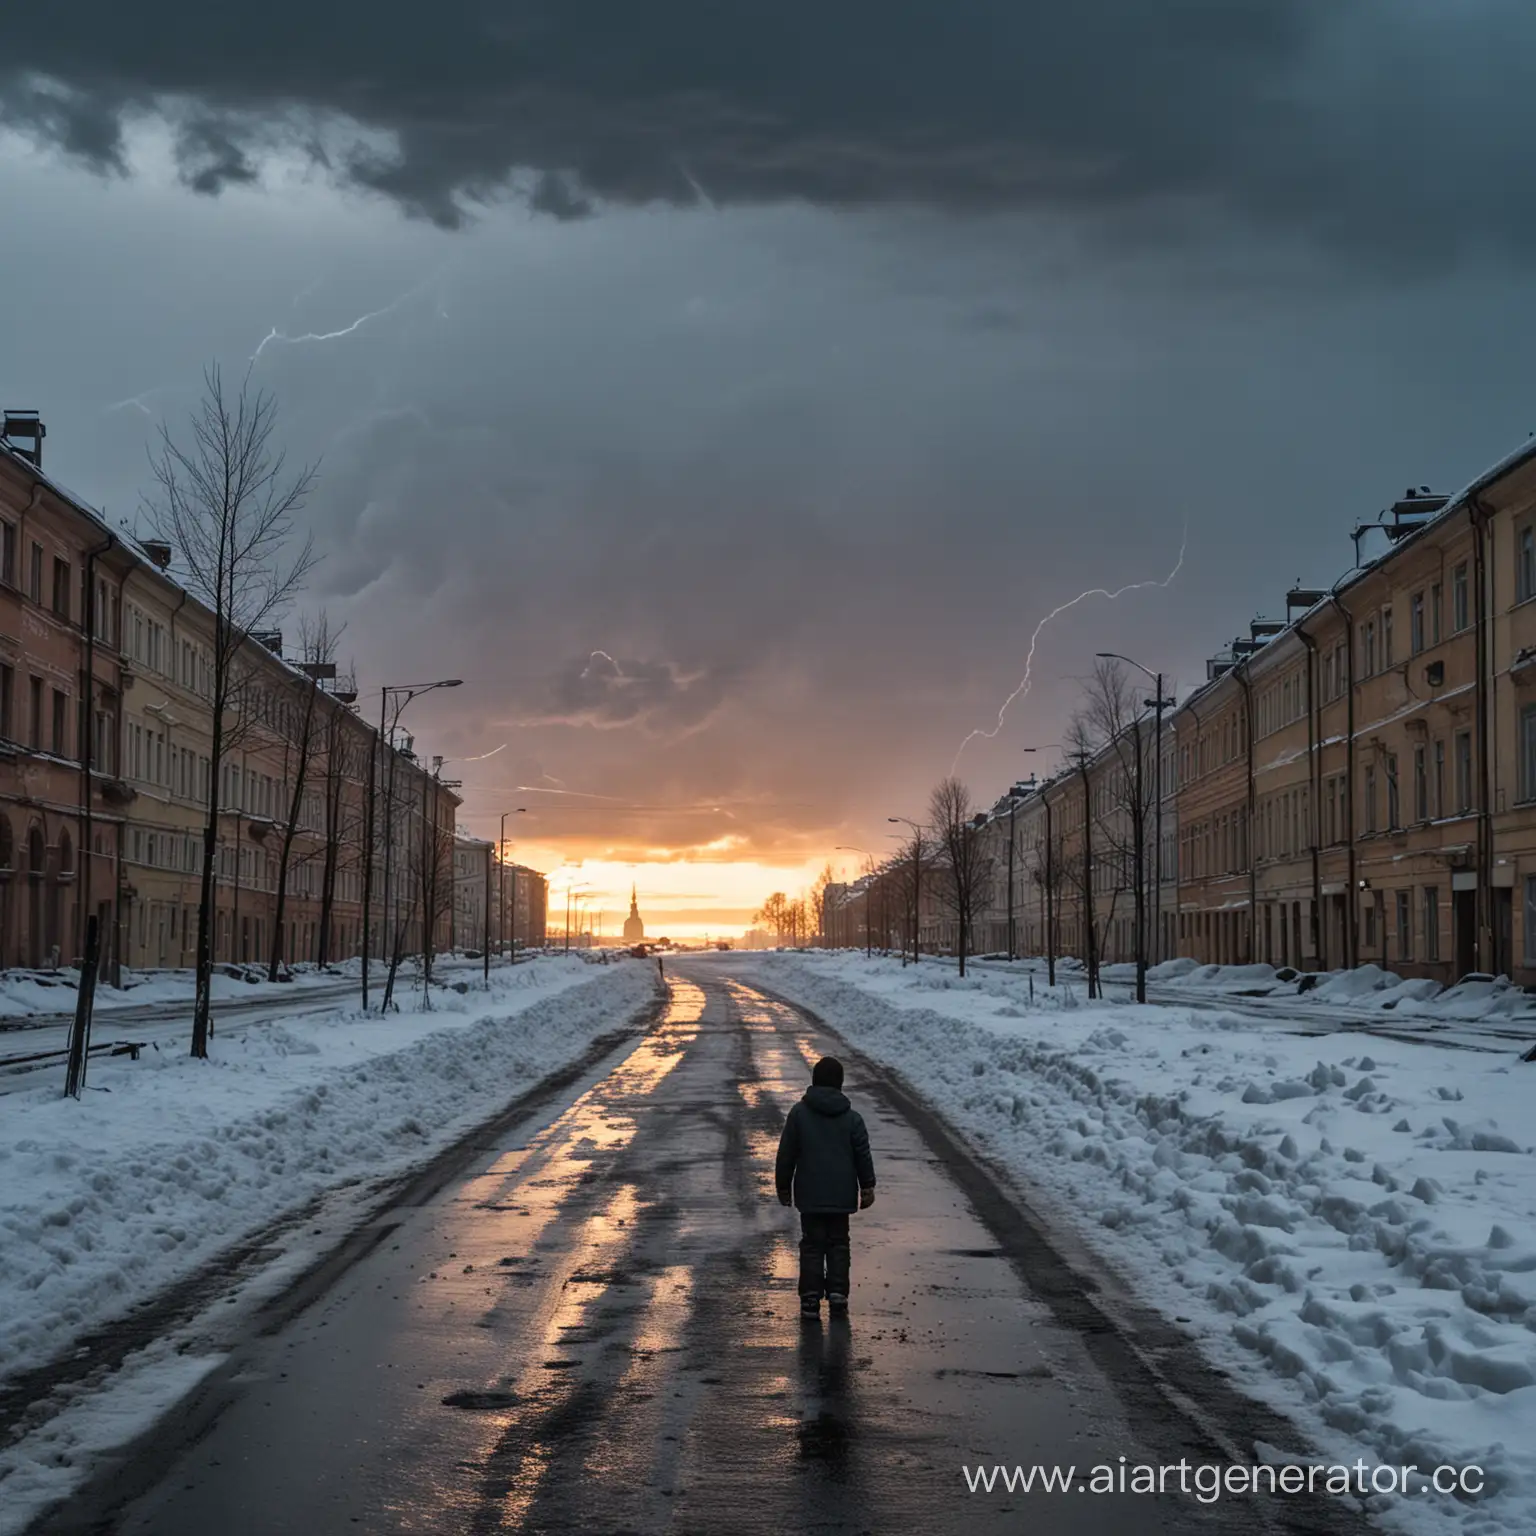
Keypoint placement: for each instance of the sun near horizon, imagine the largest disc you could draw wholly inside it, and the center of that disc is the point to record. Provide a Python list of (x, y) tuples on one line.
[(678, 898)]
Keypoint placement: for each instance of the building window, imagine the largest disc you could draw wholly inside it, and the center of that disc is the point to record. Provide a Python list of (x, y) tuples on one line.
[(1416, 623), (1459, 620), (1420, 784), (1434, 614), (1431, 922), (7, 553), (7, 701), (1528, 752), (1530, 920), (1463, 772), (1525, 563), (61, 588), (1370, 925), (36, 741), (1368, 648), (1370, 798), (1439, 778), (1386, 637), (1394, 808), (35, 585), (60, 724), (1404, 927)]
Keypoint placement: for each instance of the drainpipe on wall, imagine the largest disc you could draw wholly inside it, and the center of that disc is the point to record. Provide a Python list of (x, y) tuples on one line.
[(119, 906), (1487, 957), (1314, 779), (1241, 673), (87, 743), (1351, 904)]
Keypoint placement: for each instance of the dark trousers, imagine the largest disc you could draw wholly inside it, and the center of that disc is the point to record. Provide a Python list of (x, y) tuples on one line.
[(824, 1253)]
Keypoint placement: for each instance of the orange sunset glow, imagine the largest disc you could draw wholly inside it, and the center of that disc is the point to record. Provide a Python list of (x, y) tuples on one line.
[(679, 898)]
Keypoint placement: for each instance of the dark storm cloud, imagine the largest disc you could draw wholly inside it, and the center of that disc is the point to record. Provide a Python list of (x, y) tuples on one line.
[(602, 691), (1396, 129)]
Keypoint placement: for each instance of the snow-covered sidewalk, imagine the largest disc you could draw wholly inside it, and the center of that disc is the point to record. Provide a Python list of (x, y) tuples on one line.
[(168, 1160), (1347, 1225)]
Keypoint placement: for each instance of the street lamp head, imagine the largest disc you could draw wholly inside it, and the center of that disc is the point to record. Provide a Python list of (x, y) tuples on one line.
[(893, 818)]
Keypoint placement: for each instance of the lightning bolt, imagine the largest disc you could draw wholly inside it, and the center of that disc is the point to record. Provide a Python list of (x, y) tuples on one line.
[(587, 670), (275, 335), (1029, 661), (482, 757), (698, 189), (136, 401)]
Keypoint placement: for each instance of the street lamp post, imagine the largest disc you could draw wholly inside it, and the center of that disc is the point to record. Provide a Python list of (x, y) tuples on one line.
[(1159, 703), (410, 691), (917, 873)]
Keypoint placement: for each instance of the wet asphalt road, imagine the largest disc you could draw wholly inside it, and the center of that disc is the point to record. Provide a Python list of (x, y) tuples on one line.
[(598, 1332)]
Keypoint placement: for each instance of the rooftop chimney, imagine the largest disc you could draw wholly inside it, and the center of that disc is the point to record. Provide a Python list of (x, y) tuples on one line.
[(158, 551), (27, 425)]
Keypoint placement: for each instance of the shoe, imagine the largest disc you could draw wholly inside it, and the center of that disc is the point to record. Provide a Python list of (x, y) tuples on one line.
[(837, 1305), (810, 1306)]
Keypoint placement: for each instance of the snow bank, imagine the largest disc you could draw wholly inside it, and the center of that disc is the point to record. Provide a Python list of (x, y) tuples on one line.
[(1350, 1231), (168, 1160)]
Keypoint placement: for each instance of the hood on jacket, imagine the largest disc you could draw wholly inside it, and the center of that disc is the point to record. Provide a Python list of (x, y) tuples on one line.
[(827, 1101)]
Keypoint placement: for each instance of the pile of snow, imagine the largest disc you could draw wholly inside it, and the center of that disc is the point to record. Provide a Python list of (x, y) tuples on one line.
[(1351, 1231), (167, 1160), (1366, 988)]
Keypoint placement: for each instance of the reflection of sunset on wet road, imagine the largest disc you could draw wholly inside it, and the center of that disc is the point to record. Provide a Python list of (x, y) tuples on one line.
[(598, 1332)]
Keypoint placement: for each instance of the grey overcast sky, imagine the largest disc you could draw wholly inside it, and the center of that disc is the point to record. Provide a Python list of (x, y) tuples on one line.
[(727, 391)]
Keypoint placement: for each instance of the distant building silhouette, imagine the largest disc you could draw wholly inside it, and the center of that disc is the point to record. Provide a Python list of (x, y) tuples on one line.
[(634, 928)]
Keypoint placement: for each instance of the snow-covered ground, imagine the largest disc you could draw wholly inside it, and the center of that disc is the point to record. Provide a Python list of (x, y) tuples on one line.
[(25, 994), (1347, 1224)]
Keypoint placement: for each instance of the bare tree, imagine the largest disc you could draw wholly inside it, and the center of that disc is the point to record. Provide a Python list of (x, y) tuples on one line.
[(1052, 875), (1125, 813), (436, 876), (225, 502), (963, 880), (907, 888), (818, 903), (774, 914), (340, 769), (302, 716)]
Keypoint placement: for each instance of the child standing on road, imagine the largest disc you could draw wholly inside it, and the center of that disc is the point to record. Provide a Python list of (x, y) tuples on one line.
[(826, 1171)]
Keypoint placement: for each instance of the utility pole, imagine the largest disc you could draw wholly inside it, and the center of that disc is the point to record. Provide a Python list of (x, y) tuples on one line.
[(487, 946)]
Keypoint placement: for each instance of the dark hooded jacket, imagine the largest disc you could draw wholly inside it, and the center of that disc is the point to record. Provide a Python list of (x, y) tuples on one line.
[(824, 1156)]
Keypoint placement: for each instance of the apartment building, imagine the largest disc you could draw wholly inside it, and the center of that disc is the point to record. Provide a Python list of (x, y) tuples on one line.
[(105, 766), (1385, 808), (474, 895), (61, 810)]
